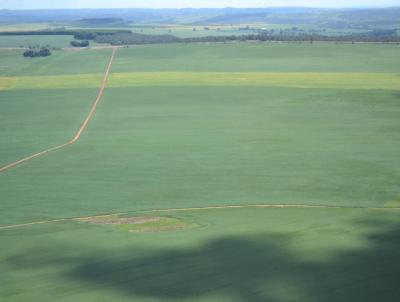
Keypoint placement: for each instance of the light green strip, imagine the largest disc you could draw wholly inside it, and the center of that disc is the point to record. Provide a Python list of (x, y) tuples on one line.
[(387, 81), (297, 80), (51, 82)]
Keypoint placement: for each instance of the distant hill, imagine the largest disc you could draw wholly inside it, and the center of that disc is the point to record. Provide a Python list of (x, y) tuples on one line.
[(356, 18), (101, 22), (386, 18)]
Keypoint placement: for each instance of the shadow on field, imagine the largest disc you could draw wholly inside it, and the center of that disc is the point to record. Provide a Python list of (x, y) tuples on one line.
[(254, 269)]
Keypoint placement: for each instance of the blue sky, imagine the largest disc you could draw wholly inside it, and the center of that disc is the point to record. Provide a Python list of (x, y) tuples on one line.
[(36, 4)]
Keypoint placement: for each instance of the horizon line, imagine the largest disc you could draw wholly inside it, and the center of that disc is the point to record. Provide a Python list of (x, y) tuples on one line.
[(217, 8)]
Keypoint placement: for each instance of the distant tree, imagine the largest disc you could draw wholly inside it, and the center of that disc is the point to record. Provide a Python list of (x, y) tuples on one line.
[(34, 52), (263, 36), (85, 35), (80, 43), (44, 52), (29, 53)]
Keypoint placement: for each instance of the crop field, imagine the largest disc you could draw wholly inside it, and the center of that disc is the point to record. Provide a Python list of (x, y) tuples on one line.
[(387, 81), (37, 110), (26, 41), (208, 172), (186, 31), (12, 64), (12, 26), (190, 31)]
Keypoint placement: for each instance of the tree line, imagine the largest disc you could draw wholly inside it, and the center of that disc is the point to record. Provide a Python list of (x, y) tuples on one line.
[(381, 36), (84, 43), (37, 51), (126, 37), (134, 38)]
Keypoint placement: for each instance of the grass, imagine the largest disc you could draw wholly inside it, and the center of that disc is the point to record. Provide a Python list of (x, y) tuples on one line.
[(11, 26), (26, 41), (191, 146), (165, 224), (188, 32), (236, 255), (33, 120), (260, 57), (157, 146), (13, 64), (51, 82), (273, 79), (370, 81)]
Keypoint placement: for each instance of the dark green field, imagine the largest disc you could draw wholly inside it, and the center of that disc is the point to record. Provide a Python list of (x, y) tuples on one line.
[(27, 41), (233, 255), (332, 154)]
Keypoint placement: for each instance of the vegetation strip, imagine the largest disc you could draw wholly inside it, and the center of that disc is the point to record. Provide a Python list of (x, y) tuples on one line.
[(337, 80), (308, 80), (275, 206), (81, 129)]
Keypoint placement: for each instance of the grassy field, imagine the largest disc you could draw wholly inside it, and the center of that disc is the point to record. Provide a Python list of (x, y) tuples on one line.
[(233, 255), (186, 31), (329, 147), (197, 126), (4, 26), (260, 57), (387, 81), (12, 63), (32, 121), (26, 41)]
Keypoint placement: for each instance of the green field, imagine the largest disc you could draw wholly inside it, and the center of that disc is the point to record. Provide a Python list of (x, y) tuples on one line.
[(260, 57), (45, 118), (348, 80), (12, 63), (12, 26), (187, 31), (27, 41), (233, 255), (203, 125)]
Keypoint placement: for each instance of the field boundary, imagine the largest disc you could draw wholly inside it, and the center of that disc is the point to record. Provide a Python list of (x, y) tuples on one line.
[(81, 129), (296, 80), (272, 206)]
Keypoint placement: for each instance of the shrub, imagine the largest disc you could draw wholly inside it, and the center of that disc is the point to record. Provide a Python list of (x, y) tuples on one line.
[(80, 43), (34, 53)]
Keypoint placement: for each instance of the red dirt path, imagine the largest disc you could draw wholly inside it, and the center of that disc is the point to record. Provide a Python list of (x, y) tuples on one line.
[(81, 129)]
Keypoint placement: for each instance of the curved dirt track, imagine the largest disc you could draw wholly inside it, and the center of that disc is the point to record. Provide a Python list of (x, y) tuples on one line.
[(272, 206), (81, 129)]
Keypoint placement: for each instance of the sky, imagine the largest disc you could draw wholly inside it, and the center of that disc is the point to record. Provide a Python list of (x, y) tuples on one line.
[(56, 4)]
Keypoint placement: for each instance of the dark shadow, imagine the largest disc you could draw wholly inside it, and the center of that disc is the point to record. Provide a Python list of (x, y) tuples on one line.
[(233, 266), (254, 269)]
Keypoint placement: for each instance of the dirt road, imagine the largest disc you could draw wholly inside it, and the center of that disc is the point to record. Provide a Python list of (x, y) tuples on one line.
[(141, 212), (81, 129)]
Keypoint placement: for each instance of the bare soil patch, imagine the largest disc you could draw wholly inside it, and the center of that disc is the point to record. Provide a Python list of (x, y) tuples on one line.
[(139, 224), (165, 224), (116, 220)]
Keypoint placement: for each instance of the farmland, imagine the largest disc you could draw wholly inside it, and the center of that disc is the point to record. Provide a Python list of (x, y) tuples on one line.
[(197, 135), (26, 41)]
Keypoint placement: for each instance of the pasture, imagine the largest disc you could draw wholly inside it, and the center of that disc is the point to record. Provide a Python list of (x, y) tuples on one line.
[(309, 131), (249, 254), (27, 41)]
